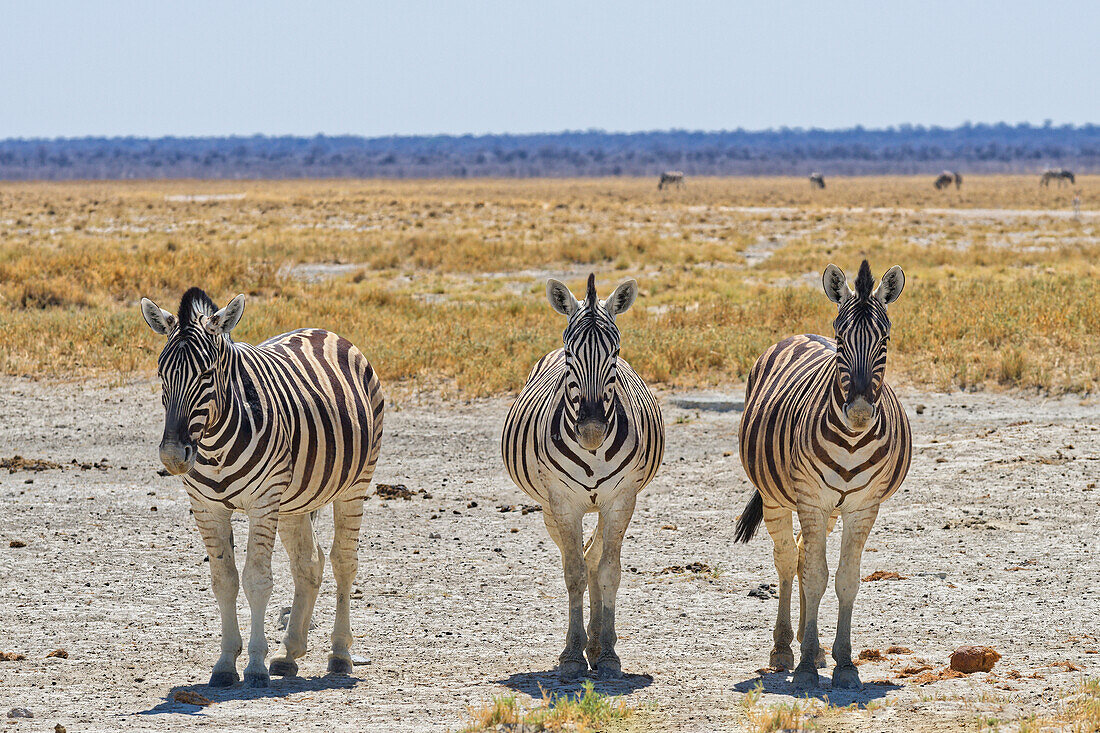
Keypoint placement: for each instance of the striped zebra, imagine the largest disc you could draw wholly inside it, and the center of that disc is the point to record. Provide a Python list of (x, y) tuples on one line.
[(585, 435), (824, 435), (817, 180), (945, 179), (670, 178), (277, 431)]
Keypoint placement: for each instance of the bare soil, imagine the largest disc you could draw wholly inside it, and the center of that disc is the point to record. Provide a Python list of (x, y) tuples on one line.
[(994, 535)]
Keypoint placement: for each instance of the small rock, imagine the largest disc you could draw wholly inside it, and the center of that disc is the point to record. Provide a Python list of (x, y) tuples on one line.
[(919, 409), (17, 543), (11, 657), (20, 713), (763, 592), (59, 728), (899, 650), (435, 536), (59, 653), (969, 658), (359, 661)]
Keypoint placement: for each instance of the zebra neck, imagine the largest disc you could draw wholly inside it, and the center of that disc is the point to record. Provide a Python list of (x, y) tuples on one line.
[(231, 406)]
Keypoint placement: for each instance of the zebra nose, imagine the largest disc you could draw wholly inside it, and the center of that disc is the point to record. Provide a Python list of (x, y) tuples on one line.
[(177, 457), (591, 433)]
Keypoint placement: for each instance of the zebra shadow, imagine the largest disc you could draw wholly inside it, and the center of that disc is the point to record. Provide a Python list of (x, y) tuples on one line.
[(278, 687), (779, 683), (538, 684)]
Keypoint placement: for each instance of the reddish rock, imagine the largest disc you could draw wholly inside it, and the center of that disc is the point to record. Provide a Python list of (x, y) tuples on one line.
[(967, 659)]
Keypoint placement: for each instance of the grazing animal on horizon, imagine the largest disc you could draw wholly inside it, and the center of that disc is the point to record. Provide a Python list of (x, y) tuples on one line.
[(958, 180), (670, 178), (823, 435), (817, 180), (946, 178), (1061, 175), (585, 435), (277, 431)]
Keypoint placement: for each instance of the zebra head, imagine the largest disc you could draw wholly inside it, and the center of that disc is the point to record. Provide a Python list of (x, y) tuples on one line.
[(862, 331), (193, 370), (591, 341)]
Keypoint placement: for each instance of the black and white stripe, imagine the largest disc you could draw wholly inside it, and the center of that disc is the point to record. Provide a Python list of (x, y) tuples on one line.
[(824, 435), (278, 431), (586, 435)]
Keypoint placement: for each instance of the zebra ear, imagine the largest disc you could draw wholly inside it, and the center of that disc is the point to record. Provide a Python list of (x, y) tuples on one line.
[(160, 320), (890, 287), (224, 320), (622, 298), (560, 298), (835, 284)]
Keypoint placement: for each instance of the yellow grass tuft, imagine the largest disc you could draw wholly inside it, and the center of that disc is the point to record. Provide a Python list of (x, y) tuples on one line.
[(589, 711)]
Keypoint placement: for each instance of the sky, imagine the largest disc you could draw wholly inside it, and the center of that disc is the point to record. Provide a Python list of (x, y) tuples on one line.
[(73, 68)]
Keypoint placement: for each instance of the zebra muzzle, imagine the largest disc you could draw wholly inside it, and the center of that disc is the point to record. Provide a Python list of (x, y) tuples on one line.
[(178, 458), (591, 433), (859, 412)]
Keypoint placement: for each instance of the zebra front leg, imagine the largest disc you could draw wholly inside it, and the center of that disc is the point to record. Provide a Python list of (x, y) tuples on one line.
[(348, 517), (564, 524), (592, 560), (812, 581), (217, 536), (857, 526), (617, 518), (263, 522), (307, 563), (781, 528)]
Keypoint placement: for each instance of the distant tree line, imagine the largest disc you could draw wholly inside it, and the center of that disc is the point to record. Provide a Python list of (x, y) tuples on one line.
[(906, 149)]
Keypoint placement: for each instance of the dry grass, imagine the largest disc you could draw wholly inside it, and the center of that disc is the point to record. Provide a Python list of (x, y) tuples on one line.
[(441, 282), (588, 711), (803, 714)]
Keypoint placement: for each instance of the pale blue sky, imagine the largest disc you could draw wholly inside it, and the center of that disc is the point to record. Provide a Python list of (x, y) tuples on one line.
[(70, 68)]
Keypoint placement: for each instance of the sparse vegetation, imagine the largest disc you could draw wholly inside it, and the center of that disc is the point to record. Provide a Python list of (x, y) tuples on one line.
[(441, 282), (587, 711)]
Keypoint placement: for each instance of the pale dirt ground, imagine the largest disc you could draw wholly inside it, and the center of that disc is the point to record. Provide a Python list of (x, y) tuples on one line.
[(998, 483)]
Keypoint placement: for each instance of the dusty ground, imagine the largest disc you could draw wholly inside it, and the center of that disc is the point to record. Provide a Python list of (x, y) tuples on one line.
[(995, 532)]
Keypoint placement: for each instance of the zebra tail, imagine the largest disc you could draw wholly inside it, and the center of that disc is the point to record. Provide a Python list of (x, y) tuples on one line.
[(750, 518)]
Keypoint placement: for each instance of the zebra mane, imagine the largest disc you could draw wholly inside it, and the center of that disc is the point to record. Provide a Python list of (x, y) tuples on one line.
[(590, 297), (865, 282), (193, 303)]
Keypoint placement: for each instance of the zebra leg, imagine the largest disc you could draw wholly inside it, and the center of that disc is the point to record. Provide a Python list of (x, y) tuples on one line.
[(812, 581), (348, 517), (307, 564), (592, 559), (263, 521), (802, 591), (217, 536), (779, 522), (564, 524), (618, 515), (857, 525)]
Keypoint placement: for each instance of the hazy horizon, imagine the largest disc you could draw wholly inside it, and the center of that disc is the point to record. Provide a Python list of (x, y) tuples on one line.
[(120, 69)]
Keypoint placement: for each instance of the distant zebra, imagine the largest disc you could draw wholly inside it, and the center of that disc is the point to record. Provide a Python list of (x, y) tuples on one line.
[(946, 178), (817, 180), (958, 180), (669, 178), (585, 435), (824, 435), (278, 431), (1061, 175)]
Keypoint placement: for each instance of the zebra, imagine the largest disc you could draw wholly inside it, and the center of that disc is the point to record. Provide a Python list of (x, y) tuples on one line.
[(669, 178), (585, 435), (958, 180), (946, 178), (277, 431), (1061, 175), (824, 435), (817, 180)]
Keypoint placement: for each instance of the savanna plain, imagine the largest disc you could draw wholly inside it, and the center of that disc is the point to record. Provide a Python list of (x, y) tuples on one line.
[(459, 609)]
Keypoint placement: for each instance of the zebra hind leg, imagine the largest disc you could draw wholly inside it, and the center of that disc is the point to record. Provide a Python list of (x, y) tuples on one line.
[(347, 517), (307, 563), (592, 555), (781, 528)]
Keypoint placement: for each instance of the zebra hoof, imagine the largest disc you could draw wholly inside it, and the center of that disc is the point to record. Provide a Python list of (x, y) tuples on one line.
[(256, 679), (609, 669), (283, 667), (339, 665), (781, 659), (224, 678), (846, 676), (805, 678), (572, 669)]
